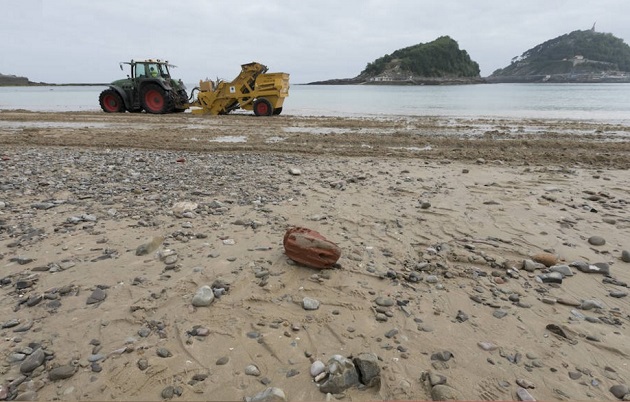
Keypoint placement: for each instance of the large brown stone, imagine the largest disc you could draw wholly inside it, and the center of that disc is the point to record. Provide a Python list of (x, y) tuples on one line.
[(310, 248)]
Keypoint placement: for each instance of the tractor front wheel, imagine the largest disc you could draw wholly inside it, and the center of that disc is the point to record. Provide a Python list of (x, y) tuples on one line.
[(262, 107), (111, 102), (156, 100)]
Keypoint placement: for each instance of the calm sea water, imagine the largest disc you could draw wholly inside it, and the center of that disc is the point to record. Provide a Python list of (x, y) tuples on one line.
[(600, 102)]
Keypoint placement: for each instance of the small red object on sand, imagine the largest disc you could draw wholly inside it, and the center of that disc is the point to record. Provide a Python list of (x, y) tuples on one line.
[(310, 248)]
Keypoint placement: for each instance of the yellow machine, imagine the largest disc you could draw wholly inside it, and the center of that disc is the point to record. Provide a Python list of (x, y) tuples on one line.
[(253, 89)]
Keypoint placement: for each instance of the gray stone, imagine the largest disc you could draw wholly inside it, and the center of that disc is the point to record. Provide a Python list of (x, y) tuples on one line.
[(33, 361), (317, 368), (97, 296), (565, 270), (444, 392), (271, 394), (618, 294), (597, 268), (310, 304), (531, 266), (591, 304), (619, 390), (203, 297), (625, 256), (342, 375), (443, 356), (61, 372), (252, 370), (368, 368), (500, 313), (596, 241), (384, 301)]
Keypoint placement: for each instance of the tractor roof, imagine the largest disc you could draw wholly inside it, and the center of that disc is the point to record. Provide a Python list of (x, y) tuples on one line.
[(154, 61)]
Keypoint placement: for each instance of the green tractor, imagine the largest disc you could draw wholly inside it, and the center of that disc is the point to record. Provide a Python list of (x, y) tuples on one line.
[(149, 87)]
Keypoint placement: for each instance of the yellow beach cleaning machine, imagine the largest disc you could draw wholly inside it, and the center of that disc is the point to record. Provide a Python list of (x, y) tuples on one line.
[(253, 89)]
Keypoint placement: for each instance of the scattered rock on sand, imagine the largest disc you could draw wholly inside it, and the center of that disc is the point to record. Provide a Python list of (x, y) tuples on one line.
[(310, 248)]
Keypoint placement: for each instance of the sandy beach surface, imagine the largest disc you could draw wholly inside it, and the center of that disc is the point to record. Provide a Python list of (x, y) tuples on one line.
[(481, 259)]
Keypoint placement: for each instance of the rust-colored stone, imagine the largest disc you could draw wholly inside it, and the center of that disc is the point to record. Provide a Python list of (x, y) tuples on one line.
[(310, 248)]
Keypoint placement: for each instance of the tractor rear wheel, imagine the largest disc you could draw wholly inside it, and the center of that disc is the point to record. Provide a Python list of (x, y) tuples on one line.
[(156, 100), (277, 110), (262, 107), (111, 102)]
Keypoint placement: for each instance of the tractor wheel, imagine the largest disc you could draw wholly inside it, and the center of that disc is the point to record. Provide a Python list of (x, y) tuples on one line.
[(277, 111), (262, 107), (156, 100), (111, 102)]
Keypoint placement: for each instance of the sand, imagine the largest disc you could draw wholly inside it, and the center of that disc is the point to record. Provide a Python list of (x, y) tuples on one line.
[(437, 215)]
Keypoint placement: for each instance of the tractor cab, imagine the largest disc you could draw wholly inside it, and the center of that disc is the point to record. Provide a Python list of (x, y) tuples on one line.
[(148, 87), (149, 69)]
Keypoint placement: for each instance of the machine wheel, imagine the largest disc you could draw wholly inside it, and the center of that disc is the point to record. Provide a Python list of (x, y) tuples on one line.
[(277, 111), (262, 107), (156, 100), (111, 102)]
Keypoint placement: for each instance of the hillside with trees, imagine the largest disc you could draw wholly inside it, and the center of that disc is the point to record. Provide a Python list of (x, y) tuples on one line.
[(437, 62), (580, 56)]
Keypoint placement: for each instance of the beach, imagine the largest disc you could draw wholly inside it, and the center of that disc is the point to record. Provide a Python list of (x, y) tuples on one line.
[(481, 259)]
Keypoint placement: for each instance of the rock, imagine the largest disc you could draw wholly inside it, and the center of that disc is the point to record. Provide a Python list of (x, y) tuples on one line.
[(252, 370), (271, 394), (163, 352), (443, 356), (97, 296), (203, 297), (619, 391), (487, 346), (310, 248), (552, 277), (444, 392), (625, 256), (317, 368), (33, 361), (532, 266), (61, 372), (546, 259), (222, 361), (597, 268), (295, 171), (596, 241), (565, 270), (368, 369), (310, 304), (342, 374), (525, 383), (384, 301), (618, 294)]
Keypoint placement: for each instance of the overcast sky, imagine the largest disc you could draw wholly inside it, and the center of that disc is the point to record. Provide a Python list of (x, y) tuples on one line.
[(64, 41)]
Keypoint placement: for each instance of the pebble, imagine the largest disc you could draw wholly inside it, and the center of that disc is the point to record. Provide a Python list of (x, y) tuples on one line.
[(596, 241), (252, 370), (317, 367), (546, 259), (384, 301), (619, 390), (61, 372), (625, 256), (203, 297), (310, 303), (97, 296), (33, 361), (222, 361)]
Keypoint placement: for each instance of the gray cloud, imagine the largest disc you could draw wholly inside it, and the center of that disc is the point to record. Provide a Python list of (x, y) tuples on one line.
[(82, 41)]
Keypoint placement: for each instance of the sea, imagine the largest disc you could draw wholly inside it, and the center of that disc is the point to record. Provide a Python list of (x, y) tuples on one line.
[(605, 102)]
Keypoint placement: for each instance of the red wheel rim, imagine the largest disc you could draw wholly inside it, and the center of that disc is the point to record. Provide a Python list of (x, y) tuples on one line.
[(263, 109), (110, 103), (154, 100)]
